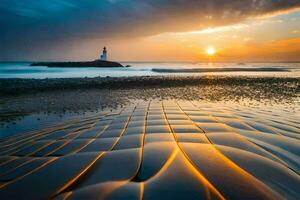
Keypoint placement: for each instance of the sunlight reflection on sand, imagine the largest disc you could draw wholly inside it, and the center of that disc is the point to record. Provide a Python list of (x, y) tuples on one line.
[(158, 149)]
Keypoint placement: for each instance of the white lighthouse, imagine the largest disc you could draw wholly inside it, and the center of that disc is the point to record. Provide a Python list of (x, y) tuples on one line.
[(104, 55)]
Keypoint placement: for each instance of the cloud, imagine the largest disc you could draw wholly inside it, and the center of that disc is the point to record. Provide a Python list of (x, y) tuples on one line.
[(32, 22)]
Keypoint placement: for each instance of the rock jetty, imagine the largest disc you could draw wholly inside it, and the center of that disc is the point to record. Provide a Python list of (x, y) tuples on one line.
[(96, 63)]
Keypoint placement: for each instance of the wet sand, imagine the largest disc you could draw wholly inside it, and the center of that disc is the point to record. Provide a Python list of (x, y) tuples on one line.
[(157, 150), (26, 86), (162, 138), (26, 96)]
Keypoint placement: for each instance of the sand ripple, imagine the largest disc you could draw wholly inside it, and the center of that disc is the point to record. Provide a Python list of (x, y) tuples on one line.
[(157, 150)]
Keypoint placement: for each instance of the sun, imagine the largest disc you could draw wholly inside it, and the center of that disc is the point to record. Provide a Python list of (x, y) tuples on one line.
[(210, 51)]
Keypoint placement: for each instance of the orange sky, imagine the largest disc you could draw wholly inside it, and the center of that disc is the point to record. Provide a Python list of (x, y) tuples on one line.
[(173, 35), (268, 38), (275, 38)]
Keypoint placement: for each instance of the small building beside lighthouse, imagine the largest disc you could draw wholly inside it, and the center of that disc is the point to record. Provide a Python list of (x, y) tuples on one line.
[(103, 57)]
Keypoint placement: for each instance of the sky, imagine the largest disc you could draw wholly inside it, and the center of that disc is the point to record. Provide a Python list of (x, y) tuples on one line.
[(150, 30)]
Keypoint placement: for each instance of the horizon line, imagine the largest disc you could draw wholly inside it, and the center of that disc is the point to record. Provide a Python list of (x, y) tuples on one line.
[(158, 61)]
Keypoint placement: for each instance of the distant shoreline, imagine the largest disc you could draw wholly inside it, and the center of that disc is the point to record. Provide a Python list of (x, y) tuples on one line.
[(229, 69)]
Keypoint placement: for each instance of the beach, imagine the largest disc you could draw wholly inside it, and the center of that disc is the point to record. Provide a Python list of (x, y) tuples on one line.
[(158, 149), (150, 137), (26, 96)]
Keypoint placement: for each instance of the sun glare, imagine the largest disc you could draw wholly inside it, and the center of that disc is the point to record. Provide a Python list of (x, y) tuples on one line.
[(210, 51)]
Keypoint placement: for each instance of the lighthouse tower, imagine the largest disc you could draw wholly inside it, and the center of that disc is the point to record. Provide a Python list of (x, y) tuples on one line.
[(104, 55)]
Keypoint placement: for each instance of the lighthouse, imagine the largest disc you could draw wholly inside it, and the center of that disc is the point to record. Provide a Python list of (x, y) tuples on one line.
[(104, 55)]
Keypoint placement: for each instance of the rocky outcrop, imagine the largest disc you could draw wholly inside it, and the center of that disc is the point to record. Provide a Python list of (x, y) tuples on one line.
[(96, 63)]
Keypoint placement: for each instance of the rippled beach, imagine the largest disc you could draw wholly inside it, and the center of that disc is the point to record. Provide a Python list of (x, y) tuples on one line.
[(158, 149), (163, 137)]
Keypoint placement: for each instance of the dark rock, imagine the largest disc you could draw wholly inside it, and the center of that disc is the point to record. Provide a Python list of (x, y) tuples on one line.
[(96, 63)]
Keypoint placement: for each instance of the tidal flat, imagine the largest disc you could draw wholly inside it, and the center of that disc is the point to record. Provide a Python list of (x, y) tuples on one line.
[(212, 137), (29, 96)]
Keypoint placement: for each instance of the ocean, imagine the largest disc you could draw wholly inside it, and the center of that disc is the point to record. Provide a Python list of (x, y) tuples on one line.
[(24, 70)]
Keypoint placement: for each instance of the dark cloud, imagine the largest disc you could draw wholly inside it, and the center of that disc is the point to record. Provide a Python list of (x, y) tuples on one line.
[(28, 23)]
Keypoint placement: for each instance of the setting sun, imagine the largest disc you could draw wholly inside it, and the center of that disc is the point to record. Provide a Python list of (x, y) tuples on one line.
[(210, 51)]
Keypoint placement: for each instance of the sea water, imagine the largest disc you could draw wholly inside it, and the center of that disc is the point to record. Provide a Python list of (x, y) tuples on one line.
[(24, 70)]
